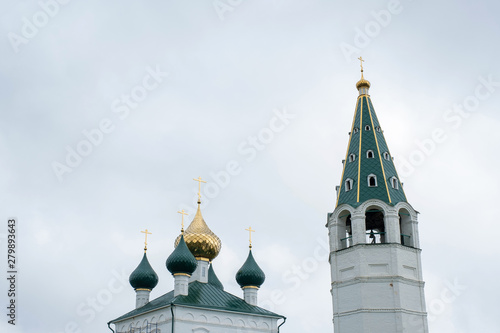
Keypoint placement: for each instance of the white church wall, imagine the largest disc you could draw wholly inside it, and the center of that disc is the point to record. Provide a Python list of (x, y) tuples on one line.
[(187, 320), (213, 321), (159, 320)]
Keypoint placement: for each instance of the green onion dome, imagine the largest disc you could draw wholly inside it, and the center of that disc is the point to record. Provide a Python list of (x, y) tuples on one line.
[(143, 277), (213, 279), (250, 274), (181, 260)]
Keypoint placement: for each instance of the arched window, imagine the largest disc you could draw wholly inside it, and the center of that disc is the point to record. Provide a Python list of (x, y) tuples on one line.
[(369, 154), (355, 130), (372, 180), (344, 230), (406, 228), (144, 327), (348, 184), (386, 156), (394, 183), (374, 225), (367, 127), (378, 129), (352, 158)]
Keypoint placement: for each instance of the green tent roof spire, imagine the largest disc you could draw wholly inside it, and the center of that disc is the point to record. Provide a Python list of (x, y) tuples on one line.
[(213, 279), (369, 171)]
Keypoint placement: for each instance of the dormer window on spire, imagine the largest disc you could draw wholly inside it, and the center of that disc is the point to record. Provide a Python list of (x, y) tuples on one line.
[(348, 184), (367, 128), (352, 158), (369, 154), (372, 180), (386, 156), (394, 183)]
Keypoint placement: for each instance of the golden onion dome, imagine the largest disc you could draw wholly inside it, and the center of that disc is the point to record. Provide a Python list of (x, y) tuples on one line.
[(200, 240), (362, 83)]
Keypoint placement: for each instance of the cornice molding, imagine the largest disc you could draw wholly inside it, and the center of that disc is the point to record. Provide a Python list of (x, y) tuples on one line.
[(391, 245), (377, 279), (400, 310)]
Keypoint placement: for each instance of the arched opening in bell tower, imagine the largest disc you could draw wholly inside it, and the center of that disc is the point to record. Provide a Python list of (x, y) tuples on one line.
[(405, 228), (344, 229), (375, 226)]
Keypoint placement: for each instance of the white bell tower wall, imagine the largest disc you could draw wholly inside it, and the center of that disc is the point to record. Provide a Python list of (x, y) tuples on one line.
[(377, 283)]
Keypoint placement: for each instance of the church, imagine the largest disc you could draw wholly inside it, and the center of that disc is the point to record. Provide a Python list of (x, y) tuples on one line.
[(376, 271), (198, 302)]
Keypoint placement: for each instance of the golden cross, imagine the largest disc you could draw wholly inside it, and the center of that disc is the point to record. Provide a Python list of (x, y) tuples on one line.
[(250, 230), (183, 213), (146, 232), (199, 180), (361, 62)]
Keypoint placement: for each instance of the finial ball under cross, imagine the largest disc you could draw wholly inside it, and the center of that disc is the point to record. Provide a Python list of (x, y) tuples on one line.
[(250, 230)]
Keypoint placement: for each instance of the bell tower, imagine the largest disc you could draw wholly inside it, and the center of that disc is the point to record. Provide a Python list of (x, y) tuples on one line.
[(377, 283)]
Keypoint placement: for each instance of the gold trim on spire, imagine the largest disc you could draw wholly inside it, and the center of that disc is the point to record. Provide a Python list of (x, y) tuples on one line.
[(379, 156), (182, 222), (250, 230), (360, 142), (199, 180), (146, 233)]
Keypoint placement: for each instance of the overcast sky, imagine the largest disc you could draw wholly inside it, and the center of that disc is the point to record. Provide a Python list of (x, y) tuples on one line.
[(110, 109)]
